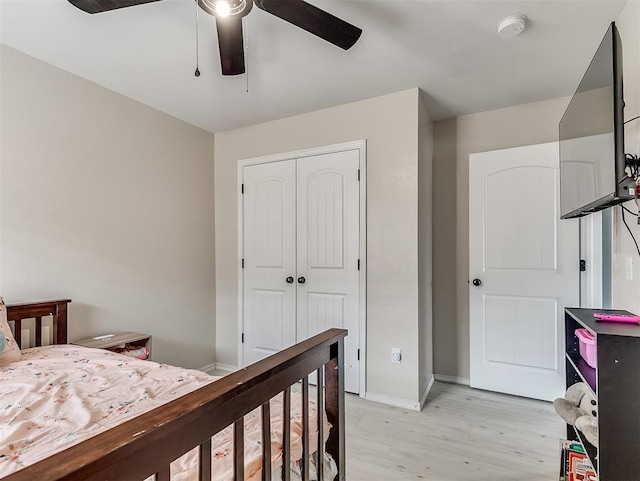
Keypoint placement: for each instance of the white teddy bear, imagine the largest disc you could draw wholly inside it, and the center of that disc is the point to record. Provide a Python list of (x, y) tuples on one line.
[(579, 408)]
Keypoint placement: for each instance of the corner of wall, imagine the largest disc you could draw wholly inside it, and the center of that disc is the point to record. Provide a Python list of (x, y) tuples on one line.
[(425, 250), (444, 211)]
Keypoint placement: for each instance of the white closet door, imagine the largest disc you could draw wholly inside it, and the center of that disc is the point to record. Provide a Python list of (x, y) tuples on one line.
[(269, 259), (327, 251)]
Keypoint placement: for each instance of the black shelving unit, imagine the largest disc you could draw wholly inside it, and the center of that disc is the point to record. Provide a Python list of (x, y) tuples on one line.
[(615, 381)]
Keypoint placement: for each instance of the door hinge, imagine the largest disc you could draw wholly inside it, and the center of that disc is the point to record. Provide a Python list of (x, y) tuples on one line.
[(243, 263), (242, 188), (358, 354), (583, 265), (358, 175), (243, 337), (358, 264)]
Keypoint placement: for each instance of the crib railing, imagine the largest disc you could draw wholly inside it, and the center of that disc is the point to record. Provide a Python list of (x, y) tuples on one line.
[(147, 444)]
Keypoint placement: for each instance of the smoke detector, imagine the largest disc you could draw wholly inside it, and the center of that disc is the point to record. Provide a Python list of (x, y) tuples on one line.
[(511, 26)]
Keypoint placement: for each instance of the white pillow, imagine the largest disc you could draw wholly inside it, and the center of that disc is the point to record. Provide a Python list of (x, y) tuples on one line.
[(9, 349)]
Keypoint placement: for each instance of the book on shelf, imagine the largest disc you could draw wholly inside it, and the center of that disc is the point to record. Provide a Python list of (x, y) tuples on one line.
[(574, 463)]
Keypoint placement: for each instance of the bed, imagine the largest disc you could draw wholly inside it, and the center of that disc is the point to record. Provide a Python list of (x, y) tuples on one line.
[(122, 418)]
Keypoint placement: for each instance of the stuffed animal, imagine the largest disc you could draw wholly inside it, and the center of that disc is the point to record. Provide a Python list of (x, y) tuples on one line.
[(579, 408), (589, 426)]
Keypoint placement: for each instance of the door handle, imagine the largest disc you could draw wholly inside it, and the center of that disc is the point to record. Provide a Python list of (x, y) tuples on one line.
[(301, 280), (289, 280), (477, 282)]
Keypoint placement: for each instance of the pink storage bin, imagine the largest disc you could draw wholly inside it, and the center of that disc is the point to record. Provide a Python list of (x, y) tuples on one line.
[(587, 346)]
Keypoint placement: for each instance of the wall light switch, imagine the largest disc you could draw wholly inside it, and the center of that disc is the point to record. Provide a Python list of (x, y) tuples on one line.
[(396, 355), (629, 268)]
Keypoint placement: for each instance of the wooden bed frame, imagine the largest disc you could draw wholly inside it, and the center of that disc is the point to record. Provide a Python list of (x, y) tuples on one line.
[(146, 445)]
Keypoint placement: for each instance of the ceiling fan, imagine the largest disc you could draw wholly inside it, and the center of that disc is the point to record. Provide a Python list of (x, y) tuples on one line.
[(229, 13)]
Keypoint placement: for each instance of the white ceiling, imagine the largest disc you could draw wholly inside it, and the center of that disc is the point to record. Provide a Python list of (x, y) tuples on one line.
[(448, 48)]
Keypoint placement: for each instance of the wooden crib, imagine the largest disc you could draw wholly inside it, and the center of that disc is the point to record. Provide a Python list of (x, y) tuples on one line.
[(146, 445)]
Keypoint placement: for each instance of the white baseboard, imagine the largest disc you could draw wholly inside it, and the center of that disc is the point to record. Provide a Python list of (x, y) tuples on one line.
[(226, 367), (452, 379), (399, 403), (216, 366), (209, 368), (427, 389)]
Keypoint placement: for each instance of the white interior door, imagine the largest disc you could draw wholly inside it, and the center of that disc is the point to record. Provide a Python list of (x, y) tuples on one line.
[(525, 260), (269, 224), (328, 251)]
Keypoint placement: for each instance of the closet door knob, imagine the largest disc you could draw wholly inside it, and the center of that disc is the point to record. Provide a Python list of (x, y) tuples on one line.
[(289, 280), (477, 282), (301, 280)]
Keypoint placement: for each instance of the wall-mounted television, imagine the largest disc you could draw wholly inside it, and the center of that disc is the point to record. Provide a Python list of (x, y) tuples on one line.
[(592, 162)]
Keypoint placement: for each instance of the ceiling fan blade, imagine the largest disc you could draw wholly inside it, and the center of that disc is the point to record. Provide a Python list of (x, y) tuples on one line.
[(97, 6), (313, 20), (231, 45)]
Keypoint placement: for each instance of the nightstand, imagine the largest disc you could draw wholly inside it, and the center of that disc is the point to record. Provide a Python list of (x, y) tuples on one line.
[(114, 342)]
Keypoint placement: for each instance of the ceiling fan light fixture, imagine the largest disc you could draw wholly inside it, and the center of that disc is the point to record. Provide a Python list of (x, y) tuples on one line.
[(223, 8)]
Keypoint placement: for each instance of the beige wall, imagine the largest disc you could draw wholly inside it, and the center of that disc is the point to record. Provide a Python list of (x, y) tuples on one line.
[(107, 202), (390, 126), (626, 293), (455, 139), (425, 245)]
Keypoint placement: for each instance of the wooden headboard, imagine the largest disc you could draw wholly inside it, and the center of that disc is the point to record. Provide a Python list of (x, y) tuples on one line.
[(37, 310)]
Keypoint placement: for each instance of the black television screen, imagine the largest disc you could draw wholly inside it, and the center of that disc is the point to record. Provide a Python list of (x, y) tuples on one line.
[(592, 162)]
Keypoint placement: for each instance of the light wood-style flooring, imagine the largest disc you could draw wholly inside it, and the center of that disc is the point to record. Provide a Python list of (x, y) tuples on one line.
[(461, 434)]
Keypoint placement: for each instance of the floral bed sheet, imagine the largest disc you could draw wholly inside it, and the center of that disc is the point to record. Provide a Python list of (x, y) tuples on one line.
[(57, 396)]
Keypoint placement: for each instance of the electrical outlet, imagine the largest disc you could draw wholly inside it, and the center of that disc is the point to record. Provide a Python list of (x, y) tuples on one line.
[(629, 268), (396, 355)]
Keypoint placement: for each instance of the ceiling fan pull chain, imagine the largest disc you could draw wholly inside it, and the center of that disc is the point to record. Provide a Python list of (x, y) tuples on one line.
[(246, 48), (197, 72)]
